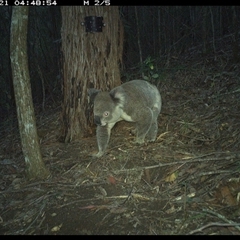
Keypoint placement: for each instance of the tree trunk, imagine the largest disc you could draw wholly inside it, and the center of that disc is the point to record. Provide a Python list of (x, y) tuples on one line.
[(138, 36), (159, 30), (89, 60), (35, 167), (213, 31), (235, 26), (205, 30)]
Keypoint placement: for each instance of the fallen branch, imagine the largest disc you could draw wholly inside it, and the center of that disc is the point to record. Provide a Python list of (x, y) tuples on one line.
[(196, 159), (213, 225), (223, 218)]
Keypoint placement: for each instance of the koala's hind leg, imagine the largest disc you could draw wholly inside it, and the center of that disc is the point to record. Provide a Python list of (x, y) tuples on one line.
[(152, 133), (143, 125), (103, 135)]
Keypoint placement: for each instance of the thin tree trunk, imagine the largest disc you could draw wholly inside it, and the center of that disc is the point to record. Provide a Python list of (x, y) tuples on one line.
[(213, 30), (35, 167), (159, 31), (204, 30), (138, 36), (235, 25)]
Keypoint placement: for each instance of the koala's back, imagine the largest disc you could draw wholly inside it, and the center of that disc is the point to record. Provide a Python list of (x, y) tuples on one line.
[(139, 93)]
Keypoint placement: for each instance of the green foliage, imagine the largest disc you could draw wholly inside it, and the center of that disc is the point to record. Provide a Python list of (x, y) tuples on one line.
[(149, 70)]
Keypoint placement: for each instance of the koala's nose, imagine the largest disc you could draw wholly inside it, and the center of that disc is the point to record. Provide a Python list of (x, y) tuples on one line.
[(97, 120)]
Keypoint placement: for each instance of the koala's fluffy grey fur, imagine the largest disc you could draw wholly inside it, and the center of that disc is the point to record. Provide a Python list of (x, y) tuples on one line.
[(135, 101)]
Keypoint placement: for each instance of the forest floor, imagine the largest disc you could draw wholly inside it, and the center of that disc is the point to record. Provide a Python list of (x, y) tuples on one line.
[(187, 182)]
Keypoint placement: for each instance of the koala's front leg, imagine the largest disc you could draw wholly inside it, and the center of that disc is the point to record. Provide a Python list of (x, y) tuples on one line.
[(103, 136)]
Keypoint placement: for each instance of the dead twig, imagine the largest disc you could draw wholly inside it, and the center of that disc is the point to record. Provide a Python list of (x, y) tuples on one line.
[(196, 159), (39, 214), (134, 195), (223, 218), (215, 224)]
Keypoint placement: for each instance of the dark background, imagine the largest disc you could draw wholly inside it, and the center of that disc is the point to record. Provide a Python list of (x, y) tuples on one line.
[(156, 38)]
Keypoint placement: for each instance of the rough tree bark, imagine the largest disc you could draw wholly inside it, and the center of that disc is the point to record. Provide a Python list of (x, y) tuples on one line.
[(89, 60), (35, 167)]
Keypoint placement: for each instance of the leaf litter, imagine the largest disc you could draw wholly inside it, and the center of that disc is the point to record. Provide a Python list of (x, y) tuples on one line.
[(187, 182)]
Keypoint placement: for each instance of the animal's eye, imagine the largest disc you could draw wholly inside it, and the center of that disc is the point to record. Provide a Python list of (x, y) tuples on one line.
[(105, 114)]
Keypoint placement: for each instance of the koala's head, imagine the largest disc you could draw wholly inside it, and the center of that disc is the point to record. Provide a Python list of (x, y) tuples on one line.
[(107, 107)]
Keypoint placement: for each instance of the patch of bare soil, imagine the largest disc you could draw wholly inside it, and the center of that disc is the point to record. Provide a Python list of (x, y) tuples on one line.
[(187, 182)]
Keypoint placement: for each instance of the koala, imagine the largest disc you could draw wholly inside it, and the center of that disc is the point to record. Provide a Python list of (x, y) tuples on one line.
[(135, 101)]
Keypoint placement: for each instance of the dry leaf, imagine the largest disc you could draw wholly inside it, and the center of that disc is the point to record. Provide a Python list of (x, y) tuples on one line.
[(147, 175), (118, 210), (171, 178), (227, 196), (91, 207), (56, 228), (111, 180), (103, 191), (171, 210)]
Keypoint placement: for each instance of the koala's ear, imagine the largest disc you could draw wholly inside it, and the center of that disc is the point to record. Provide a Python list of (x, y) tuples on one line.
[(92, 93), (118, 96)]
